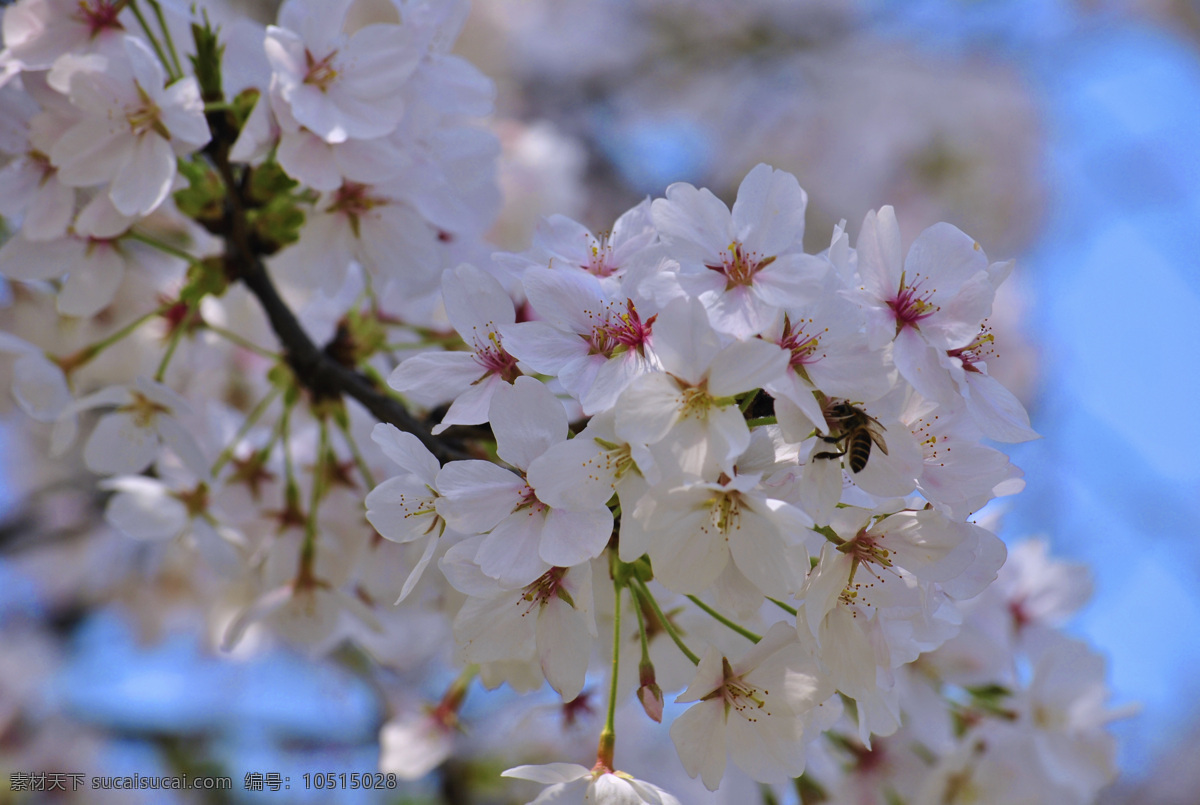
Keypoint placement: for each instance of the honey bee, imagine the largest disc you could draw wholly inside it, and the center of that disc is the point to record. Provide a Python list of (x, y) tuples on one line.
[(854, 430)]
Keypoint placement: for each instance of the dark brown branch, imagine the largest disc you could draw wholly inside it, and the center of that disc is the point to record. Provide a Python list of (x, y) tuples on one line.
[(315, 369), (325, 377)]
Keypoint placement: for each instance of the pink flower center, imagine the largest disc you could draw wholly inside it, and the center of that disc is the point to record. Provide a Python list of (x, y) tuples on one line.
[(98, 15), (601, 264), (146, 116), (740, 266), (911, 304), (622, 332), (801, 343), (978, 351), (495, 361)]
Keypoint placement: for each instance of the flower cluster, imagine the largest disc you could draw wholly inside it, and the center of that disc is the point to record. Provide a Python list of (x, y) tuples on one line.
[(687, 445), (771, 425)]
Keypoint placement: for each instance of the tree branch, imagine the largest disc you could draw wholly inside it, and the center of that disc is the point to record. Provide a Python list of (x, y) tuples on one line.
[(318, 372), (315, 368)]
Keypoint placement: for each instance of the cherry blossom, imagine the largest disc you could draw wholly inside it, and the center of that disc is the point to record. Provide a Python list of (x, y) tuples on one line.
[(571, 784)]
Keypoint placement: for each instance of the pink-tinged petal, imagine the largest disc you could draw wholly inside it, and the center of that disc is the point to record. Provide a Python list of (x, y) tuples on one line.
[(285, 52), (570, 538), (395, 241), (926, 544), (144, 181), (495, 629), (458, 87), (370, 161), (526, 420), (770, 749), (147, 70), (709, 675), (309, 159), (880, 253), (919, 364), (50, 212), (119, 447), (476, 303), (472, 406), (741, 312), (944, 257), (569, 300), (400, 509), (100, 219), (406, 451), (758, 551), (91, 152), (895, 473), (699, 736), (418, 570), (647, 409), (383, 57), (19, 180), (434, 377), (258, 133), (548, 773), (546, 349), (745, 365), (728, 435), (957, 323), (92, 282), (183, 114), (575, 474), (695, 223), (144, 509), (509, 553), (792, 280), (183, 444), (997, 411), (848, 653), (687, 557), (613, 377), (990, 553), (821, 488), (40, 387), (685, 341), (563, 646), (477, 495), (768, 216), (23, 259)]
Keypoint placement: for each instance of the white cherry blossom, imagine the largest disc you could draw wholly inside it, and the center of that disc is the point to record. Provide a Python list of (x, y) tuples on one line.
[(525, 537), (752, 710), (747, 263), (477, 307), (131, 127), (572, 784)]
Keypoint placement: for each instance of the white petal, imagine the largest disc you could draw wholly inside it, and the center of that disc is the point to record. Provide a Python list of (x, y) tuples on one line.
[(407, 451), (699, 736), (564, 647), (526, 419), (119, 446), (572, 537)]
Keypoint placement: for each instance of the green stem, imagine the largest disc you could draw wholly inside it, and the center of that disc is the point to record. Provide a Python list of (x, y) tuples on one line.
[(166, 248), (359, 461), (742, 630), (761, 420), (608, 736), (790, 610), (745, 404), (69, 363), (308, 551), (162, 24), (158, 51), (666, 624), (233, 337), (251, 418), (641, 625), (172, 344)]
